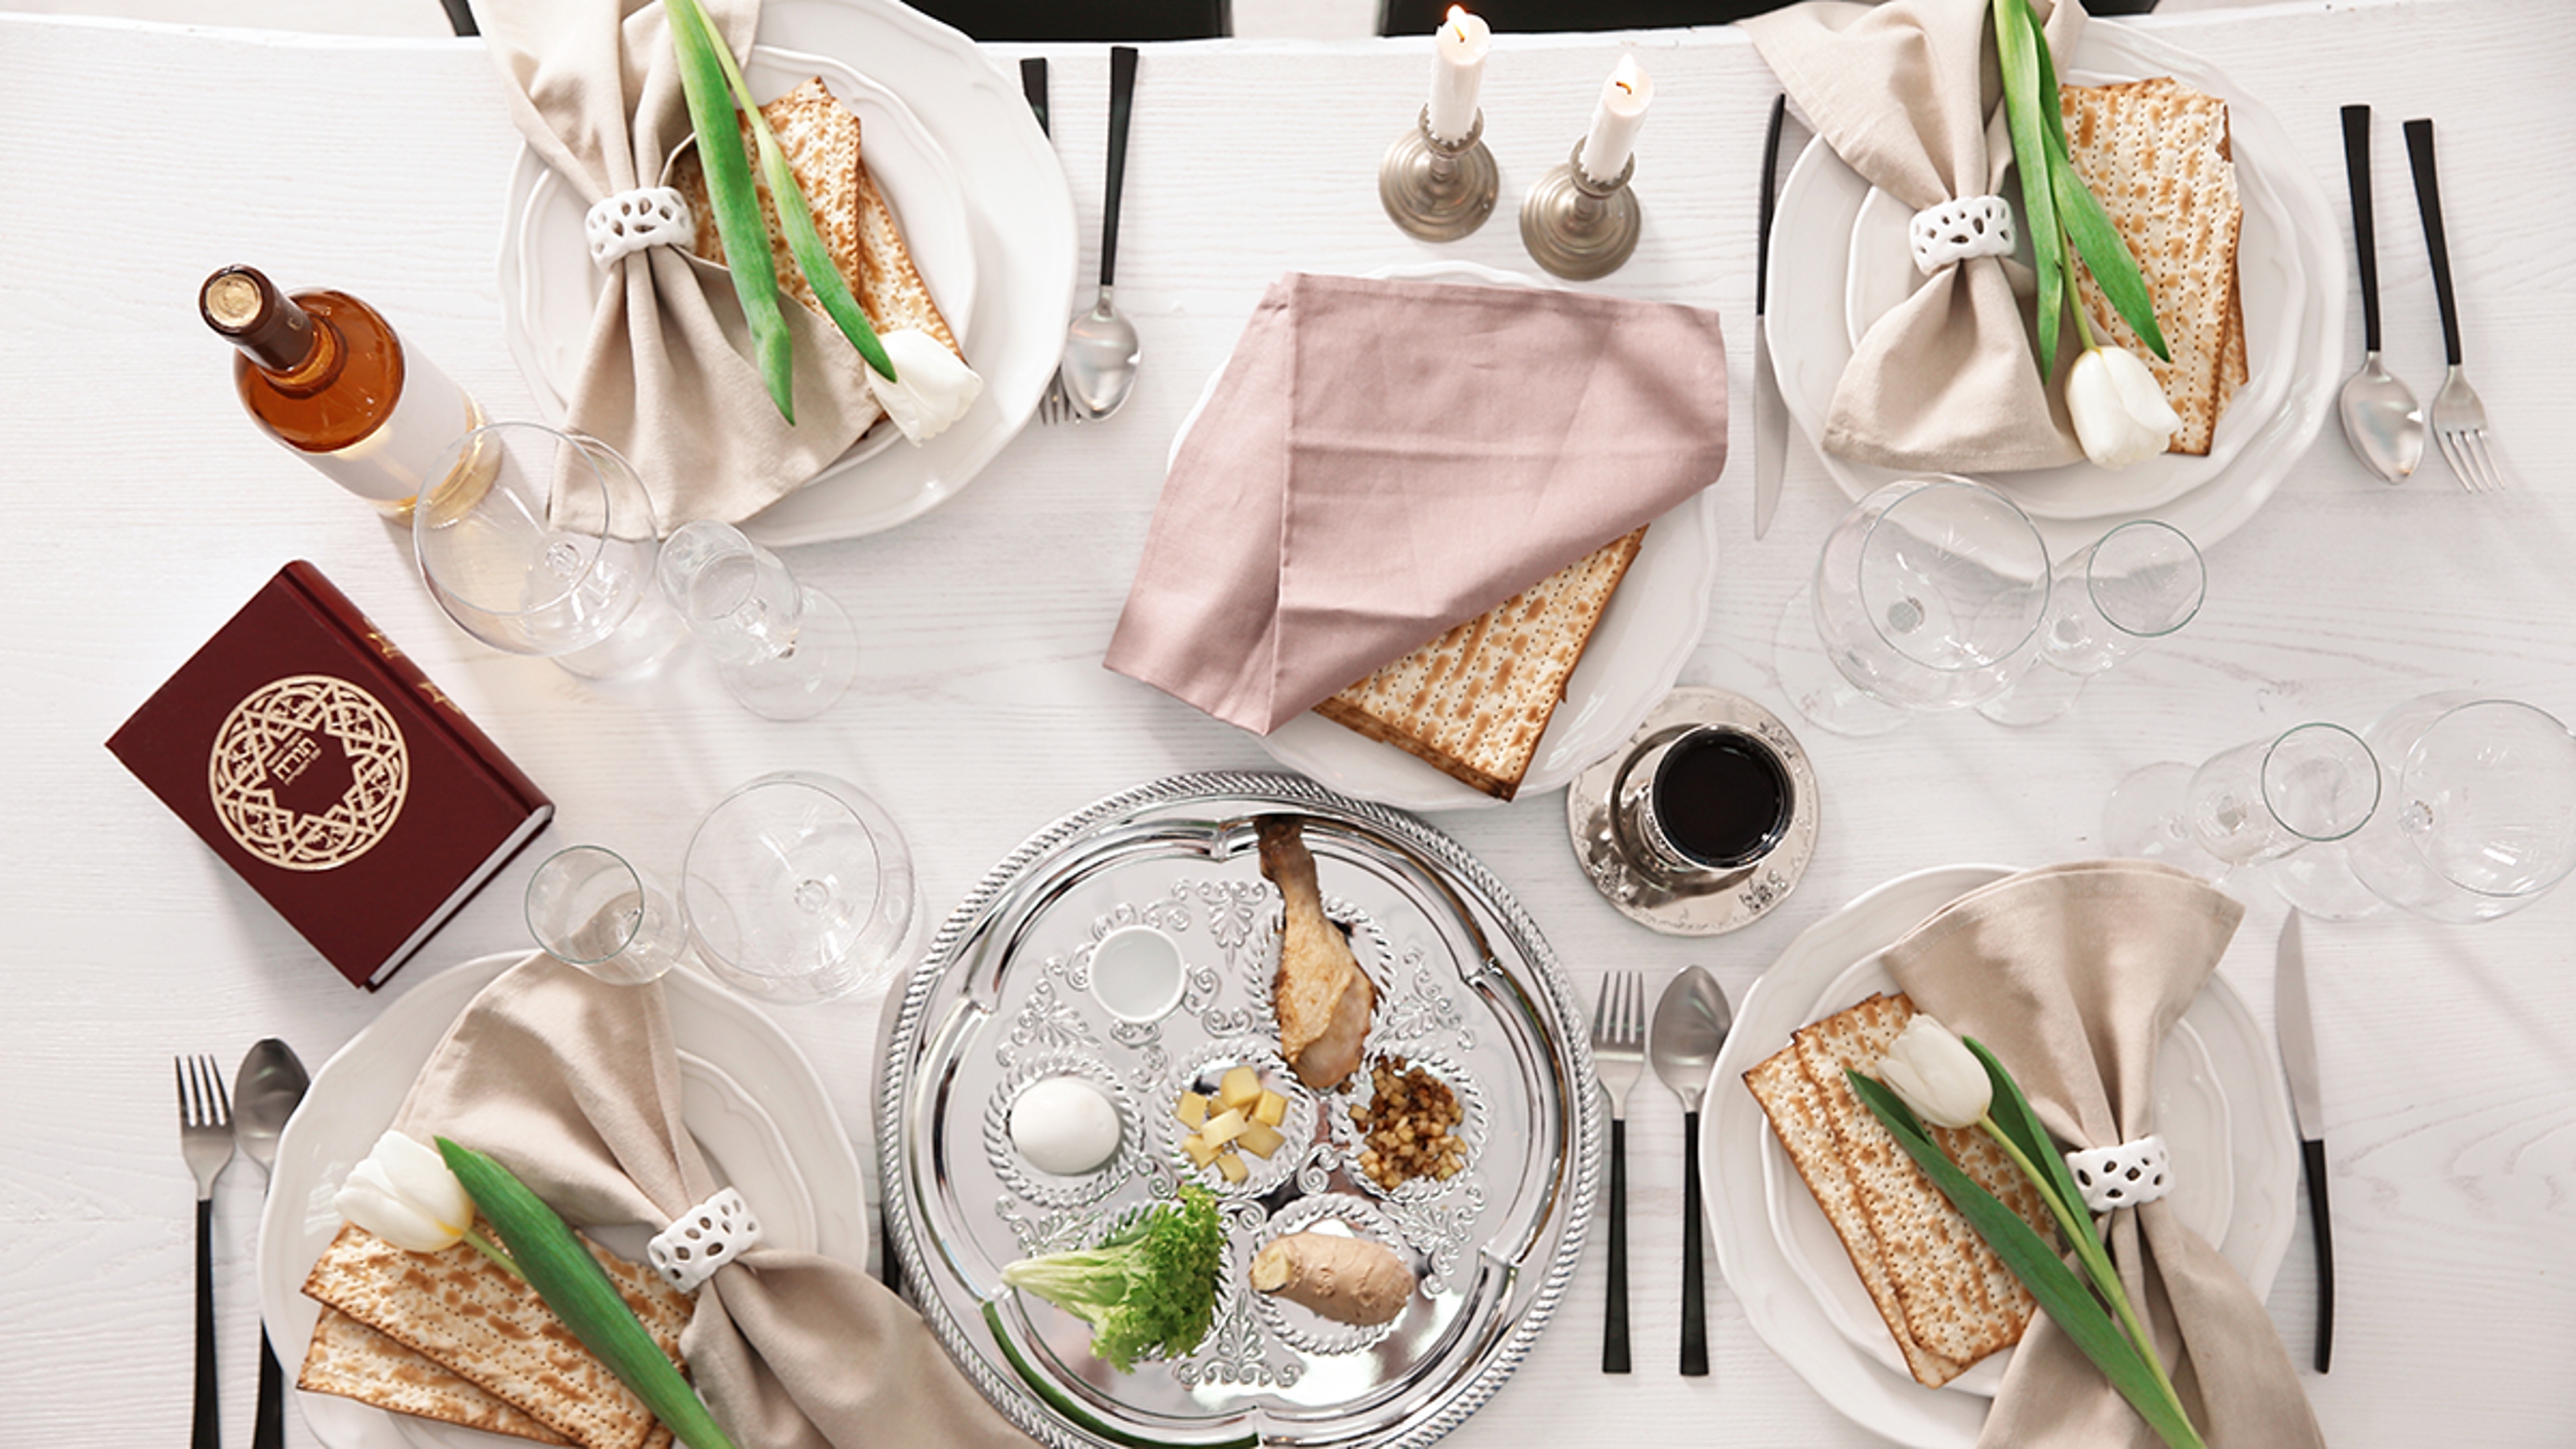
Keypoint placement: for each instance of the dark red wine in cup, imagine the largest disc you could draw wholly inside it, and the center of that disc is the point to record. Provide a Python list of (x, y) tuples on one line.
[(1722, 797)]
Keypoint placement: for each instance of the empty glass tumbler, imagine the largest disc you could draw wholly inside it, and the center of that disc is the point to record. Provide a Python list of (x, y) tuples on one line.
[(785, 651), (2141, 582), (588, 907), (2256, 802)]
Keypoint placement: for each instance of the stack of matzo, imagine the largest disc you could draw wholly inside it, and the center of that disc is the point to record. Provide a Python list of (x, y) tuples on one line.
[(451, 1336), (1475, 700), (821, 139), (2156, 153), (1946, 1297)]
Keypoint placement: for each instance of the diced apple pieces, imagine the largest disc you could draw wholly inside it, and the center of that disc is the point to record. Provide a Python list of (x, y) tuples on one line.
[(1270, 1110), (1223, 1128), (1200, 1153), (1260, 1139), (1240, 1088), (1193, 1110), (1233, 1168)]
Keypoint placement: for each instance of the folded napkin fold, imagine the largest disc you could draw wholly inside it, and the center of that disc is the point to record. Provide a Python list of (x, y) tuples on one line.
[(595, 89), (1381, 460), (1909, 95), (2072, 975), (573, 1084)]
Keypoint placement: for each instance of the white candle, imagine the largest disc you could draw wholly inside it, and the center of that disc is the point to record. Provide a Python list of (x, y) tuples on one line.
[(1613, 137), (1458, 70)]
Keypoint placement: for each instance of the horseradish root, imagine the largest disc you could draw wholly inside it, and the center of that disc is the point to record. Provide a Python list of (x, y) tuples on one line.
[(1348, 1280)]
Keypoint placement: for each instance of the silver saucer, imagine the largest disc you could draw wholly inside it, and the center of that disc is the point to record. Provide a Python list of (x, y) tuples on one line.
[(1694, 903)]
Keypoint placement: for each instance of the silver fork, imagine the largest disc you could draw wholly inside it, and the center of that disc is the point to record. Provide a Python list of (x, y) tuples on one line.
[(2459, 419), (206, 1140), (1618, 1055)]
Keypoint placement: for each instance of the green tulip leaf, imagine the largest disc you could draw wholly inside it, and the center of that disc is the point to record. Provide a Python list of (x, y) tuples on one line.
[(2026, 81), (2105, 253), (2064, 1297), (730, 192)]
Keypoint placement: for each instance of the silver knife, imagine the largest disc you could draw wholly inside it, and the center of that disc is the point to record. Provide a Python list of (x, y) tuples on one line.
[(1770, 409), (2297, 1029)]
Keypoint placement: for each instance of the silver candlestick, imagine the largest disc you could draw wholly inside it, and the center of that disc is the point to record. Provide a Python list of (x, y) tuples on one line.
[(1438, 190), (1577, 227)]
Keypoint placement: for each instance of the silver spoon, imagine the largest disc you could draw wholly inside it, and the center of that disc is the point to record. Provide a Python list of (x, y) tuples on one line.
[(1100, 346), (1691, 1021), (272, 1081), (2381, 419)]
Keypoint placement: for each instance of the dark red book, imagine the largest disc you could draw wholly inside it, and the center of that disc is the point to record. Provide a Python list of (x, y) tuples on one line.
[(329, 773)]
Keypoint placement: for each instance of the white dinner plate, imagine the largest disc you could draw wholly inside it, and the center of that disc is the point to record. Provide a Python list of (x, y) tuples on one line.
[(1019, 213), (1809, 980), (1636, 652), (547, 313), (2190, 1114), (748, 1095), (1837, 274)]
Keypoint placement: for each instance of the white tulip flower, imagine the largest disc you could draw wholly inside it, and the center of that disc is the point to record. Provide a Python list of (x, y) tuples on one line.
[(404, 1194), (2121, 416), (933, 390), (1936, 1075)]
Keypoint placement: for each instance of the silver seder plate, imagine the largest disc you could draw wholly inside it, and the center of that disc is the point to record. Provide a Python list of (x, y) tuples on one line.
[(1466, 989)]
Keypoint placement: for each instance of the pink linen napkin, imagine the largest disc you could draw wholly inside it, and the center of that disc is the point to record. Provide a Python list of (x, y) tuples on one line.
[(595, 89), (1909, 95), (1381, 460), (573, 1084), (2072, 975)]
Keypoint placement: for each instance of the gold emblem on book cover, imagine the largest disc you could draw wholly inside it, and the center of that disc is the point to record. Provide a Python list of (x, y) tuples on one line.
[(309, 772)]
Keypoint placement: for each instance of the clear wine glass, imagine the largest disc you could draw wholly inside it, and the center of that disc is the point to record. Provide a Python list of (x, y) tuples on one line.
[(2256, 802), (2139, 583), (785, 651), (798, 888), (541, 542), (2482, 817), (1924, 599), (588, 907)]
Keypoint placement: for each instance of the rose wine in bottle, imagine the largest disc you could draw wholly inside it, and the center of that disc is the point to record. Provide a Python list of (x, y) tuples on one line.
[(324, 374)]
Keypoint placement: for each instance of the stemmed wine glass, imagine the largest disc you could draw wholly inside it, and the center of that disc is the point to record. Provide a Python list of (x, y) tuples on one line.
[(2256, 802), (2140, 582), (785, 651), (2482, 817), (1924, 598), (541, 542), (588, 907), (798, 888)]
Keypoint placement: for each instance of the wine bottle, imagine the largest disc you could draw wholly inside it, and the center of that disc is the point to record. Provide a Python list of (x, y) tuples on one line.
[(325, 375)]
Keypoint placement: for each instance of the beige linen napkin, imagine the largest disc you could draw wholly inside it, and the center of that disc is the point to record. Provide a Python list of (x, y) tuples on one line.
[(1382, 459), (595, 88), (1904, 94), (573, 1084), (2072, 975)]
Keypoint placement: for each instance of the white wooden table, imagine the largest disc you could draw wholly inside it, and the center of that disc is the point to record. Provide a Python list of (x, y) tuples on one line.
[(142, 510)]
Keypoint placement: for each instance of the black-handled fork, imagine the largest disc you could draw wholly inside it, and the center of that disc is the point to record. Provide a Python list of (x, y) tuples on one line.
[(206, 1141), (1618, 1056)]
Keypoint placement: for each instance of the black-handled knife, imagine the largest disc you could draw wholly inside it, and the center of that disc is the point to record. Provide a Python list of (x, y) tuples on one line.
[(1770, 408), (2296, 1027), (1033, 84)]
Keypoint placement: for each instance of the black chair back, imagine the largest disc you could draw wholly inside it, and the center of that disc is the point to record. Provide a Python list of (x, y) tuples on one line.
[(1077, 20)]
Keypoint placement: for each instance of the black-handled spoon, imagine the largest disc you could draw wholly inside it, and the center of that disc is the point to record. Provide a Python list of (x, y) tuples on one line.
[(1100, 350), (2381, 418)]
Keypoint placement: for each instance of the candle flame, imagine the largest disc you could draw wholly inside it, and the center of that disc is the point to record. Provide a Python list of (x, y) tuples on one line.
[(1457, 22), (1627, 75)]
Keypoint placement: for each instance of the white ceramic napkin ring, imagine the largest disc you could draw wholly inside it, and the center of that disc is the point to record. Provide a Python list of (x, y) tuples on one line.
[(2123, 1176), (1970, 226), (630, 221), (703, 1239)]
